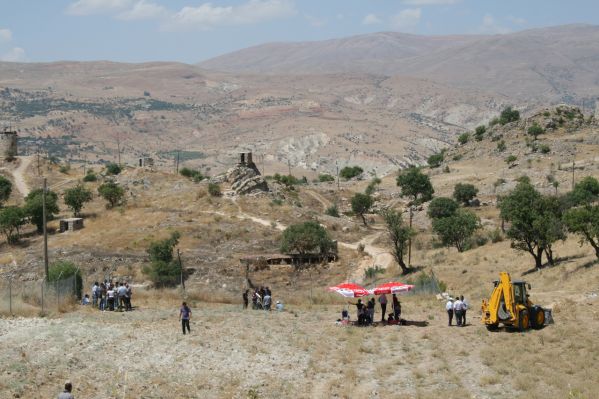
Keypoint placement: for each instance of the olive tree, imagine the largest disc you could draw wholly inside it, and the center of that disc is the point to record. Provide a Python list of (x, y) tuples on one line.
[(76, 197), (399, 235), (304, 238), (456, 230), (415, 184), (361, 204)]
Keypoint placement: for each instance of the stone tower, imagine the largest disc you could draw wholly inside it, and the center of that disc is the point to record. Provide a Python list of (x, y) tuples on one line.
[(8, 144)]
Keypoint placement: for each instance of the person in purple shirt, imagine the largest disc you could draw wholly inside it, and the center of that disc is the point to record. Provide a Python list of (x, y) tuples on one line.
[(184, 316)]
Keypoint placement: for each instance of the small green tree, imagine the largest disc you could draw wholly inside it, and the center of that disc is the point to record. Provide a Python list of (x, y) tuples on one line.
[(535, 130), (508, 115), (361, 204), (399, 236), (113, 169), (584, 221), (435, 160), (111, 192), (415, 184), (76, 197), (464, 193), (442, 207), (585, 192), (464, 138), (62, 270), (90, 176), (34, 207), (325, 177), (479, 133), (456, 230), (350, 172), (5, 189), (164, 270), (304, 238), (11, 220)]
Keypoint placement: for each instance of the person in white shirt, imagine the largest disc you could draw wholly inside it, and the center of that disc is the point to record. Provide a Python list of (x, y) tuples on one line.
[(457, 310), (449, 308), (383, 302)]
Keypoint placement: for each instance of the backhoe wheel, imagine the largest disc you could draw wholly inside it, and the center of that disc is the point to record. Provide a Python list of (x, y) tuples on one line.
[(523, 320), (537, 319), (492, 327)]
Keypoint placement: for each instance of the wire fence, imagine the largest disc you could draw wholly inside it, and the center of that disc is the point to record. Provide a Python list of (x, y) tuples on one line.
[(30, 298)]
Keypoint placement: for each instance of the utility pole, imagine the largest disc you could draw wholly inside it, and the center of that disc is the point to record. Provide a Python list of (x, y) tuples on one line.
[(410, 239), (337, 166), (45, 230), (38, 160), (177, 163)]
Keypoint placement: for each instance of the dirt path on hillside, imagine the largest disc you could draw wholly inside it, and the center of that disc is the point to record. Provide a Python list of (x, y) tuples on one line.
[(323, 201), (379, 256), (18, 175)]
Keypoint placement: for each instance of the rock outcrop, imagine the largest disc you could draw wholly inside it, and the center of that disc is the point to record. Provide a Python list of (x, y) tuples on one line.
[(246, 179)]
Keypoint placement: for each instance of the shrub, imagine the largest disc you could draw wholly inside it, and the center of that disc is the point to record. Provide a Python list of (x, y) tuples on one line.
[(499, 182), (511, 159), (508, 115), (464, 138), (277, 201), (113, 169), (371, 272), (371, 188), (479, 133), (288, 180), (457, 157), (111, 192), (5, 189), (325, 177), (62, 270), (493, 122), (214, 189), (332, 211), (65, 168), (501, 147), (164, 270), (90, 176), (350, 172), (545, 149), (435, 160), (495, 236), (464, 193), (535, 130)]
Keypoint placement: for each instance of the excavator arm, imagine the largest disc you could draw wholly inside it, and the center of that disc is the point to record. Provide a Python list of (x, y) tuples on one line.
[(501, 305)]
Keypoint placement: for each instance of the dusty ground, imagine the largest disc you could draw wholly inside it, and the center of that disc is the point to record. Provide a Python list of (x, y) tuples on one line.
[(299, 353)]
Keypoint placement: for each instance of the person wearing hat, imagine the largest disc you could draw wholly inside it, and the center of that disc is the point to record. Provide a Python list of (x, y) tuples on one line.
[(449, 308), (279, 306), (66, 394)]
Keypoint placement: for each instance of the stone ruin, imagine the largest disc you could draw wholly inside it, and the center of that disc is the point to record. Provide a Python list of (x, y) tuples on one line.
[(245, 178)]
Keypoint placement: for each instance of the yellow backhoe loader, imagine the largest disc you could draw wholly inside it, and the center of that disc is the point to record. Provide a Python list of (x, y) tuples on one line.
[(510, 305)]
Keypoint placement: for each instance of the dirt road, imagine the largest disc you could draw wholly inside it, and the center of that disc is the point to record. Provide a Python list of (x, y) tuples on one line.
[(18, 175)]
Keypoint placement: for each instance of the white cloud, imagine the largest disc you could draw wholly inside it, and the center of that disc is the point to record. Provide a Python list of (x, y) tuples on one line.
[(143, 10), (516, 20), (429, 2), (5, 35), (407, 19), (371, 19), (207, 16), (17, 54), (90, 7), (491, 26)]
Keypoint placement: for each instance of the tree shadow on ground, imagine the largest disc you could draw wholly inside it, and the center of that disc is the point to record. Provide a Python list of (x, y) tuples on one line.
[(558, 262)]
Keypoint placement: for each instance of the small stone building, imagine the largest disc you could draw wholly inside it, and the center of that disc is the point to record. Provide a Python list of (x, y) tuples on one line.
[(8, 144), (146, 162), (71, 224)]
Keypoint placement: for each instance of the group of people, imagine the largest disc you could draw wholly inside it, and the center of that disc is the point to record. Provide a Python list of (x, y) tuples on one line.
[(365, 312), (261, 299), (457, 307), (109, 295)]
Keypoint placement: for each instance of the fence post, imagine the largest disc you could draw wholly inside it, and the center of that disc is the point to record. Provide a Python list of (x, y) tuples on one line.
[(10, 295)]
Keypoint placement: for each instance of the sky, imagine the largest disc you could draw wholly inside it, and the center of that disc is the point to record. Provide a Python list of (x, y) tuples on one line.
[(194, 30)]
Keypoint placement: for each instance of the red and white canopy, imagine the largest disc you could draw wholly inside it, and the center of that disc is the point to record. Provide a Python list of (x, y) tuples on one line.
[(391, 288), (350, 290)]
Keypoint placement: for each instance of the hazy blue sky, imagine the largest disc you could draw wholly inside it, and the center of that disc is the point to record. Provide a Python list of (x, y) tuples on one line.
[(193, 30)]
